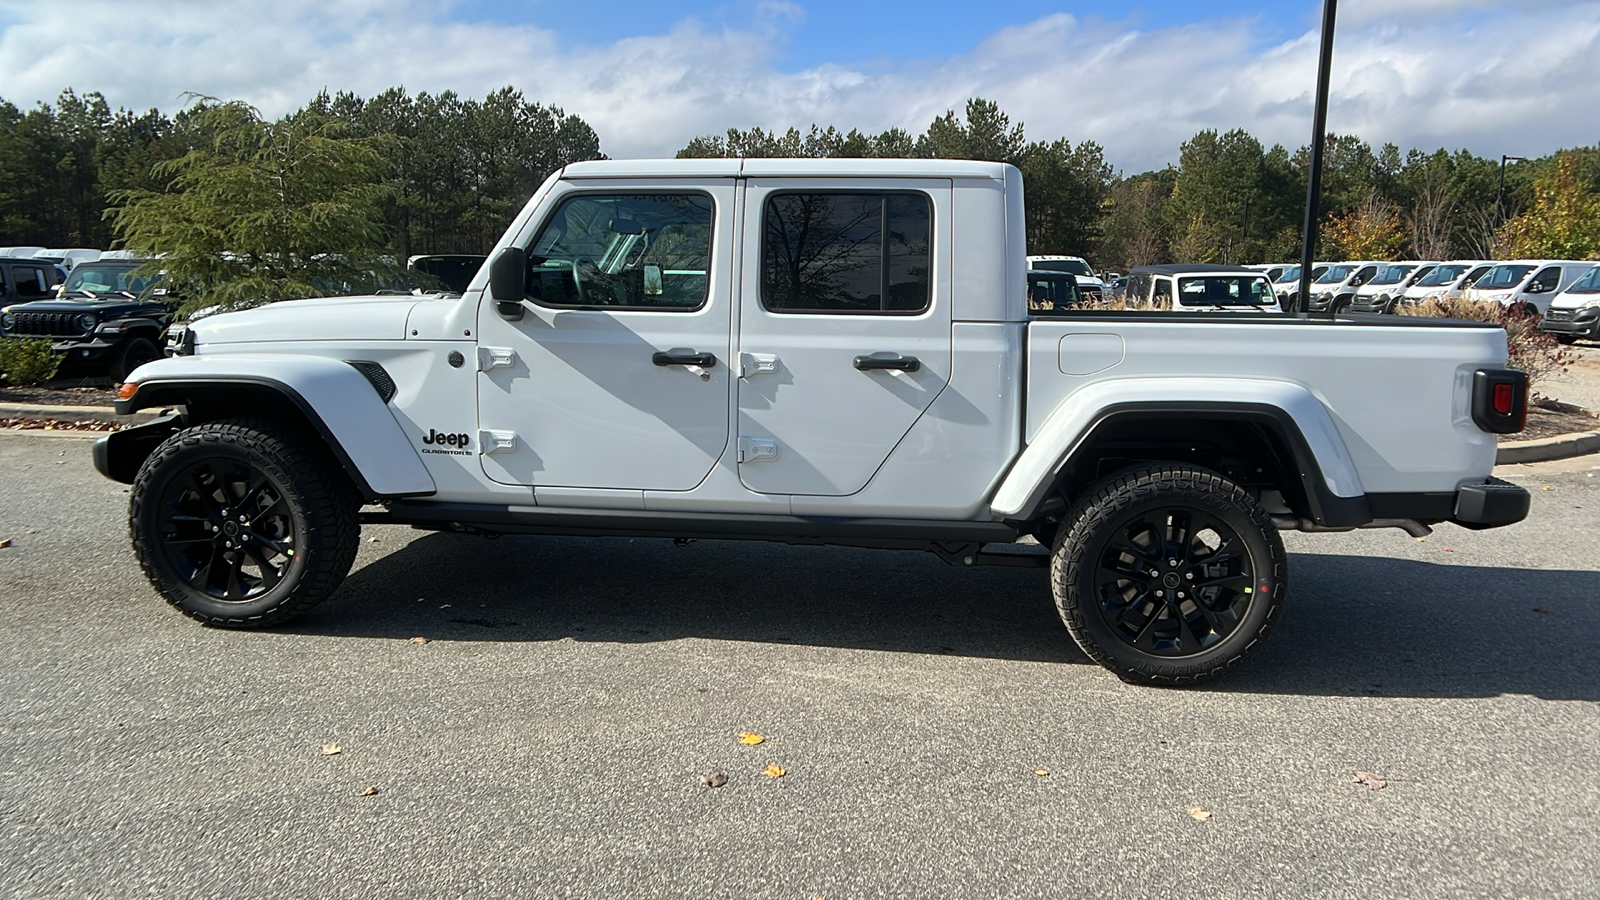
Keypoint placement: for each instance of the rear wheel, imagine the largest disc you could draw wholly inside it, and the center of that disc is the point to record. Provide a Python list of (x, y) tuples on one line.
[(1168, 574), (243, 523)]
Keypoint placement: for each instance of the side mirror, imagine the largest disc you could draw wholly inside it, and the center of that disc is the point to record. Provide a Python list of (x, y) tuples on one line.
[(507, 281), (1535, 289)]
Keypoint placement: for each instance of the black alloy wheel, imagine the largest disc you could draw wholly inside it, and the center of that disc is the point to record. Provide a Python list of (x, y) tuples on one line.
[(1168, 574), (133, 353), (243, 523), (225, 529), (1173, 581)]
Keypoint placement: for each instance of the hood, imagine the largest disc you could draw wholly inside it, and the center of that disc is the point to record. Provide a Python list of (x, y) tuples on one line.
[(330, 319), (109, 307), (1569, 300)]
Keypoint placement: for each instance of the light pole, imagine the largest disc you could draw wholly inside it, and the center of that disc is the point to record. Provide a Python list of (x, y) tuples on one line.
[(1319, 126), (1500, 192)]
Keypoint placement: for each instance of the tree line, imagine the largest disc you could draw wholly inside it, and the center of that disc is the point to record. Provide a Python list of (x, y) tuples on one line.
[(345, 181)]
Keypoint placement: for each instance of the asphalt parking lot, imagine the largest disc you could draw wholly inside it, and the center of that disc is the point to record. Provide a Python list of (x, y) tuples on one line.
[(549, 738)]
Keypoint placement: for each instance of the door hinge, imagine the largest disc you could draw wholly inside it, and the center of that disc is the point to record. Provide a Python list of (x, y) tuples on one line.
[(496, 441), (751, 450), (495, 357), (757, 364)]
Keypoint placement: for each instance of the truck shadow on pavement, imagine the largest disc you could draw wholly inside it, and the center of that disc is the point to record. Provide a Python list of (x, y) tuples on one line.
[(1353, 625)]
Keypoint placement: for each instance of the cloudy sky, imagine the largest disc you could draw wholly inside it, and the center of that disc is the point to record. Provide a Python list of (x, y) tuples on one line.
[(1138, 76)]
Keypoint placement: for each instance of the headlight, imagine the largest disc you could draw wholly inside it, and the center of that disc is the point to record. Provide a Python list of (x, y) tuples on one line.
[(87, 321)]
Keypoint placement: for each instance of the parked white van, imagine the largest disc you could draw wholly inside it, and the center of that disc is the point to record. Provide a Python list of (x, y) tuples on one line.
[(1379, 294), (1447, 281), (1530, 281), (1336, 287), (1287, 284), (1575, 312)]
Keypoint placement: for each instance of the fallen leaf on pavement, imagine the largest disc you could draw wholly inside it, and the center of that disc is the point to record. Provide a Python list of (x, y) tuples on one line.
[(1449, 550), (1547, 488), (371, 791), (1198, 814), (750, 738), (1540, 609), (1370, 780), (418, 640), (1041, 772), (4, 543), (331, 749), (714, 780), (774, 771)]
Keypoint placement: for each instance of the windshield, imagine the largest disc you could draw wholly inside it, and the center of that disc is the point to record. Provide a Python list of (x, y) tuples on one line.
[(1075, 266), (1336, 275), (93, 279), (1391, 274), (1225, 290), (1290, 274), (1441, 276), (1502, 277), (1588, 284)]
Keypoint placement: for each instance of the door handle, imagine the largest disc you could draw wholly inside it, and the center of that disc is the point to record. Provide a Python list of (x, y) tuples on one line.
[(691, 358), (901, 363)]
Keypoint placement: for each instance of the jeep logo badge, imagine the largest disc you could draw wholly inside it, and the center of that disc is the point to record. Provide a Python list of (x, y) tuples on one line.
[(454, 443)]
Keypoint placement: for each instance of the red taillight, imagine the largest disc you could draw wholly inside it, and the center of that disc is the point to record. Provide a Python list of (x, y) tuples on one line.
[(1504, 395)]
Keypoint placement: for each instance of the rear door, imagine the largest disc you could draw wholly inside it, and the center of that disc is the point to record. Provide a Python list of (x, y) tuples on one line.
[(844, 336)]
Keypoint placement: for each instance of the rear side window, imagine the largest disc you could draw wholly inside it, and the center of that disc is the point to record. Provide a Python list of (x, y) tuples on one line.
[(845, 252)]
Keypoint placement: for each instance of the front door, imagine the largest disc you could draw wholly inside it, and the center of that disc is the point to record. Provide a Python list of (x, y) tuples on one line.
[(844, 334), (616, 375)]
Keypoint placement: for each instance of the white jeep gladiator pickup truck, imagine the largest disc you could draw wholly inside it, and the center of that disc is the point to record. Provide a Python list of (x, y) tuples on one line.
[(817, 352)]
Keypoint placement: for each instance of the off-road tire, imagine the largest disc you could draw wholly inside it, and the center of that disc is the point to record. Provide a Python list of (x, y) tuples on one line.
[(133, 353), (1086, 594), (315, 501)]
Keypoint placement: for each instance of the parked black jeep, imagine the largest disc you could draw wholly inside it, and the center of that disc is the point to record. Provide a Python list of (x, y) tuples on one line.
[(106, 319)]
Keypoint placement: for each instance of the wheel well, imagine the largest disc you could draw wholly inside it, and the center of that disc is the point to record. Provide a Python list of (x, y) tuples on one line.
[(1251, 450), (209, 402)]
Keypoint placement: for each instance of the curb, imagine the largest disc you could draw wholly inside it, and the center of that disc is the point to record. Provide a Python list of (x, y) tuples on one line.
[(1562, 446), (74, 413)]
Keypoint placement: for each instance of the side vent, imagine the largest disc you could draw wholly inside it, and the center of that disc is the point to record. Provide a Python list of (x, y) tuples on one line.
[(381, 382)]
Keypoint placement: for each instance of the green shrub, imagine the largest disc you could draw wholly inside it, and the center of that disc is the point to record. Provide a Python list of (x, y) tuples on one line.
[(26, 361)]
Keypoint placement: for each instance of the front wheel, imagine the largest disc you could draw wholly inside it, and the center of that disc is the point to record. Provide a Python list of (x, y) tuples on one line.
[(243, 523), (133, 353), (1567, 338), (1168, 574)]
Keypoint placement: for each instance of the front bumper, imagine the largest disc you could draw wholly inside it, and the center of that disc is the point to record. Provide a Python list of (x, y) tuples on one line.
[(1581, 322)]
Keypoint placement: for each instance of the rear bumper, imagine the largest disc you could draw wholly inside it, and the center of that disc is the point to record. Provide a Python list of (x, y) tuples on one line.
[(1491, 504)]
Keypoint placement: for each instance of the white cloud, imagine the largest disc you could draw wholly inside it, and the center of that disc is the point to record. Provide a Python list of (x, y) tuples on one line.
[(1507, 77)]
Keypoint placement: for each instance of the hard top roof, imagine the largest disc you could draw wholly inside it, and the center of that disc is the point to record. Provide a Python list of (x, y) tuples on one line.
[(757, 167), (1191, 269)]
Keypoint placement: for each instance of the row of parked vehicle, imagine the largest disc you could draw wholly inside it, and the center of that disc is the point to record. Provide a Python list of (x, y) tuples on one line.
[(105, 315), (1565, 294)]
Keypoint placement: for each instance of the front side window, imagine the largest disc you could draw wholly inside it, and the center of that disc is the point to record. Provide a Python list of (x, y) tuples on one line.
[(633, 251), (1547, 279), (847, 253), (1161, 297), (1588, 284)]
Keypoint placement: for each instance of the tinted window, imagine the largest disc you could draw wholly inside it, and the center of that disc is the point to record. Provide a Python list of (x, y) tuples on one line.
[(1047, 293), (1225, 290), (638, 251), (1547, 279), (846, 253), (29, 281)]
